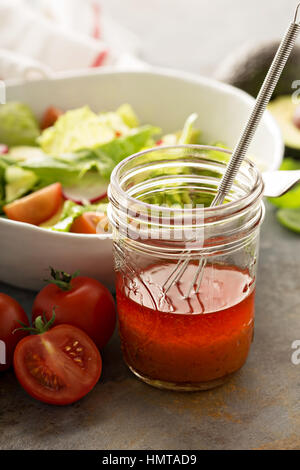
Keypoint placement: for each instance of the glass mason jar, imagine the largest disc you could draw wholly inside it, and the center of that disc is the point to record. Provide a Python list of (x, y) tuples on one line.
[(185, 272)]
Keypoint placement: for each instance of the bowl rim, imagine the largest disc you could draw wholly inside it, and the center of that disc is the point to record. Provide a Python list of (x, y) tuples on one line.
[(151, 71)]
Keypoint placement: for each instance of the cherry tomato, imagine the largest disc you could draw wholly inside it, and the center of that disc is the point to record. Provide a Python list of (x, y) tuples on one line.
[(50, 117), (78, 301), (90, 222), (37, 207), (58, 366), (11, 313)]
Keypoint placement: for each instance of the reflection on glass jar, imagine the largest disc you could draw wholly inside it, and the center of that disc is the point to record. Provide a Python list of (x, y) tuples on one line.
[(182, 327)]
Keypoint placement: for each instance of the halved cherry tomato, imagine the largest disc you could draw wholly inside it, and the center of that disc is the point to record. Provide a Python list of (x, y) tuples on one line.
[(37, 207), (59, 366), (79, 301), (11, 313), (89, 222), (50, 117)]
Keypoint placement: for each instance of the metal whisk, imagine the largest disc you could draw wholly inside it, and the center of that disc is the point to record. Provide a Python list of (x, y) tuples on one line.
[(242, 147)]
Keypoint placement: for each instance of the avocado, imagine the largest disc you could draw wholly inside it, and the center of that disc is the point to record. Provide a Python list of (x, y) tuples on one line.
[(246, 68), (18, 182), (287, 114)]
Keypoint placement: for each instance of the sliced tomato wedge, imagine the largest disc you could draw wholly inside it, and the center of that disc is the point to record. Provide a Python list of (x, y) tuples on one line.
[(90, 222), (37, 207), (59, 366), (50, 117)]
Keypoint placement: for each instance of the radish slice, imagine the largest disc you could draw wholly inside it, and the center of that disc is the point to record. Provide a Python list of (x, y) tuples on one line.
[(86, 195), (3, 149)]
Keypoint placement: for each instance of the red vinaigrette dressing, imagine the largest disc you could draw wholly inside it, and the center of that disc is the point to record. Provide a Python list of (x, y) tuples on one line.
[(167, 339)]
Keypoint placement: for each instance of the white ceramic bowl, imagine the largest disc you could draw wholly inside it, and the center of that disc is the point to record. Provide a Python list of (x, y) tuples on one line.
[(160, 97)]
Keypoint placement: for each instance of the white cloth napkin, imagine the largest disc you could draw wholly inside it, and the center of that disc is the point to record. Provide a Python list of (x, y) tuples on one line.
[(44, 37)]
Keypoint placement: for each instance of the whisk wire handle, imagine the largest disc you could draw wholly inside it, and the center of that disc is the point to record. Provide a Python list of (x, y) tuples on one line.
[(296, 13), (262, 101)]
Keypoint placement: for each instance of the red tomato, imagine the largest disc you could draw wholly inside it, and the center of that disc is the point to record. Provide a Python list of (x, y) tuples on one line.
[(37, 207), (81, 302), (59, 366), (11, 313), (50, 117), (89, 223)]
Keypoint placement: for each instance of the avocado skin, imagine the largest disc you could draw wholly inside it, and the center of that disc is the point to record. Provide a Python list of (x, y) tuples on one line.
[(246, 68), (292, 152)]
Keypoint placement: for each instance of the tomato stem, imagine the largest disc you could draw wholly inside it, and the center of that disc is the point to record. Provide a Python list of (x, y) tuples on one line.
[(41, 325), (62, 279)]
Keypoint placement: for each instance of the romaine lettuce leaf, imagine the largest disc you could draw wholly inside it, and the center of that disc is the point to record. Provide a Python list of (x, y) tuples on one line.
[(121, 148), (189, 135), (74, 130), (51, 170), (88, 165), (115, 122), (128, 116)]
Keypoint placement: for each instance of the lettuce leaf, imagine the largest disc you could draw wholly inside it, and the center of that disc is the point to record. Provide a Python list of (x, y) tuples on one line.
[(88, 165), (74, 130), (115, 122), (81, 128), (121, 148), (51, 170), (128, 116), (189, 135)]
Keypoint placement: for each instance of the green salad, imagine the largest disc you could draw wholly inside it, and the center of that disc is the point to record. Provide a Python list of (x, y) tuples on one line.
[(55, 173)]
